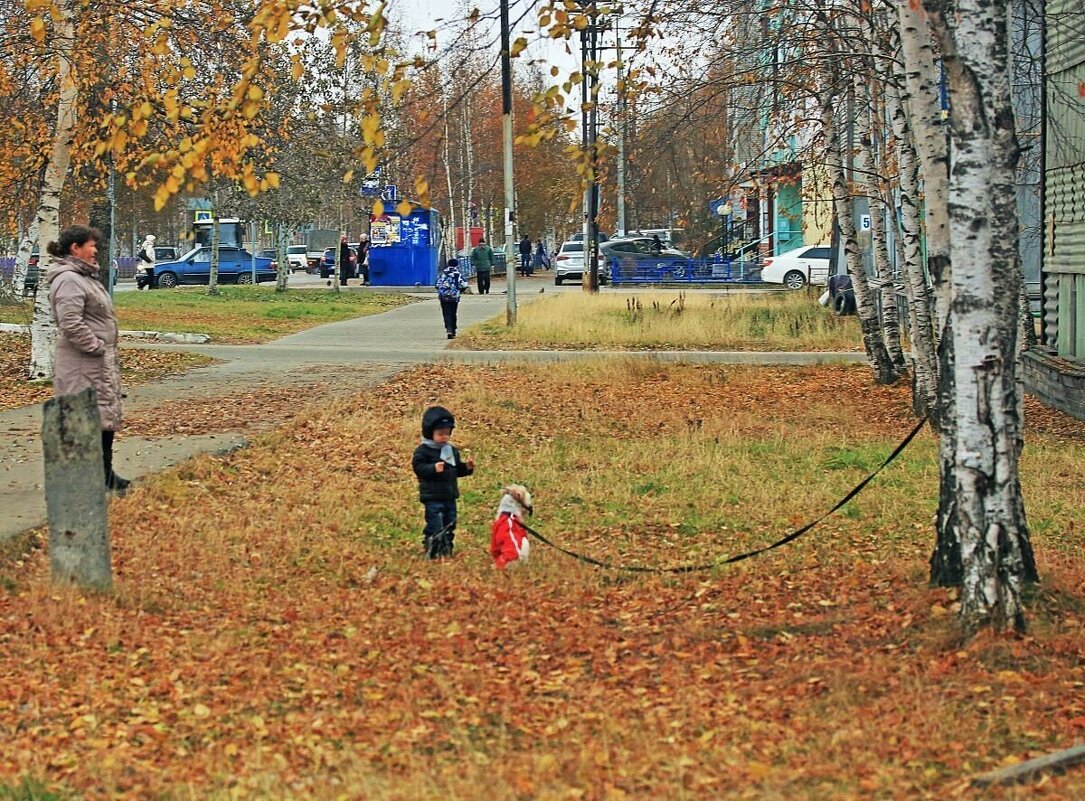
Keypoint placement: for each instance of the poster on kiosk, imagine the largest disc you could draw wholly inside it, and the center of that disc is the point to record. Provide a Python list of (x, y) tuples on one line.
[(404, 250)]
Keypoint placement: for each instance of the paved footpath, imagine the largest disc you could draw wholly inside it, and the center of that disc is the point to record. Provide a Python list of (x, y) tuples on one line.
[(340, 358)]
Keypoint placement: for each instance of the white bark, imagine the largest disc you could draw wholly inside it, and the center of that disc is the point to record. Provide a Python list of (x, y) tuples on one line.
[(989, 523), (920, 98), (283, 273), (449, 248), (22, 257), (43, 328), (920, 319), (877, 355), (883, 271)]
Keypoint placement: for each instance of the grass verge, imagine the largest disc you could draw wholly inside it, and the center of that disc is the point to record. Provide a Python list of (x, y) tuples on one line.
[(138, 366), (274, 625), (238, 314), (777, 321)]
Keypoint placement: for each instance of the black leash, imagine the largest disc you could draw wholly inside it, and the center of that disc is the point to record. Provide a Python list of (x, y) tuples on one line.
[(794, 535)]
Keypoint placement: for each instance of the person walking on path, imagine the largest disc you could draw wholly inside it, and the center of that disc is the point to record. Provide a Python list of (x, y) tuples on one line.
[(525, 255), (482, 259), (86, 347), (450, 286), (539, 261), (437, 464)]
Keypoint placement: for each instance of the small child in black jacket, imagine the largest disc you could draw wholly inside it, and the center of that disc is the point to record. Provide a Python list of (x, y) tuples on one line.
[(438, 465)]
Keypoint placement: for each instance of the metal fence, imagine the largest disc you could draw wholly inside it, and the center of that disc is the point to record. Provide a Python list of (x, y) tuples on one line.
[(684, 271)]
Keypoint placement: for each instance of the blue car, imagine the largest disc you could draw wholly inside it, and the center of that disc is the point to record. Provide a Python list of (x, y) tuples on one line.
[(235, 267)]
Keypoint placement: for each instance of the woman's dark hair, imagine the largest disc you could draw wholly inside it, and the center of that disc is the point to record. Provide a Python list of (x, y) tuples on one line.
[(73, 235)]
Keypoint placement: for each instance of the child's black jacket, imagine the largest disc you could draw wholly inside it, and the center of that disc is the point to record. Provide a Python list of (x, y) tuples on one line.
[(434, 486)]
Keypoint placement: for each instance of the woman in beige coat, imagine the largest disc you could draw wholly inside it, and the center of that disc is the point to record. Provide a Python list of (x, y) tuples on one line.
[(86, 350)]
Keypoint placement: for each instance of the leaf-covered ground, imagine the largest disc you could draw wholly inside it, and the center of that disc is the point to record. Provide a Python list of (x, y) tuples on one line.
[(137, 367), (275, 633)]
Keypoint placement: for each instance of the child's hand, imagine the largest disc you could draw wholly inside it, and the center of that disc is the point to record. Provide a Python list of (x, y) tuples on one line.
[(440, 467), (470, 463)]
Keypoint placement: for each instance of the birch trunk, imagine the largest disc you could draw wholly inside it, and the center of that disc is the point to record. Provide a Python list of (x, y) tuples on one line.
[(283, 273), (989, 523), (877, 354), (213, 278), (43, 327), (919, 96), (883, 271), (22, 258), (921, 318), (448, 182), (470, 147)]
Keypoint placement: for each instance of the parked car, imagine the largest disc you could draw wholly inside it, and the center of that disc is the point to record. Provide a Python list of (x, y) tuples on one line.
[(270, 254), (636, 256), (795, 268), (569, 263), (327, 263), (235, 267), (579, 237), (296, 257)]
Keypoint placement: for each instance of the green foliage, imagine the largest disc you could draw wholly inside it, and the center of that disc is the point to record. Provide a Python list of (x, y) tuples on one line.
[(28, 790)]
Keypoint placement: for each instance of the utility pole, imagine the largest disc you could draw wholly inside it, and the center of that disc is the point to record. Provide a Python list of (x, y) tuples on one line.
[(621, 129), (593, 126), (585, 144), (589, 49), (506, 130)]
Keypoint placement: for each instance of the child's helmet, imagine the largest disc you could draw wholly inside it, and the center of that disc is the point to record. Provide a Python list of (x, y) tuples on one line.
[(436, 417)]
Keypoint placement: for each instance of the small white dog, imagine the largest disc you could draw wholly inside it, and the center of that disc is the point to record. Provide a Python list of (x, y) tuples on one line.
[(508, 541)]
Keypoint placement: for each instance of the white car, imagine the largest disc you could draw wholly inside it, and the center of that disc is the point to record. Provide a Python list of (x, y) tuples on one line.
[(794, 268), (569, 263), (297, 258)]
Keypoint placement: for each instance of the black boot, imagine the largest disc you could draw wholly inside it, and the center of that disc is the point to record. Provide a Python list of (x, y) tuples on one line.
[(116, 484), (113, 482)]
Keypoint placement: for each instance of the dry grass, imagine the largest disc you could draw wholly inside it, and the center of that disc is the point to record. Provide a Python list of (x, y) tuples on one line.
[(248, 651), (778, 321)]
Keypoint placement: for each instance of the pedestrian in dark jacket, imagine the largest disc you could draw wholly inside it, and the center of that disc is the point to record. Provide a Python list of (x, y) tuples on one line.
[(438, 465), (482, 259), (525, 255), (540, 261), (450, 286), (345, 270), (363, 260)]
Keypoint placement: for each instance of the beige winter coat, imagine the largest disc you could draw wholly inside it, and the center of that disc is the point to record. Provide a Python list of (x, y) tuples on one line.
[(86, 352)]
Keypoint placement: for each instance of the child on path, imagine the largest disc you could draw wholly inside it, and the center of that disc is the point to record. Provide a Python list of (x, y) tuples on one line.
[(450, 286), (438, 465)]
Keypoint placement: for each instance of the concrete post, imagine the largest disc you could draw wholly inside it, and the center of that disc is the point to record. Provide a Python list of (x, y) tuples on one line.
[(71, 435)]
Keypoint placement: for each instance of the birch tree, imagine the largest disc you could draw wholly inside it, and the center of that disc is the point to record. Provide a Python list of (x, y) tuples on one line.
[(43, 328), (982, 383), (885, 372)]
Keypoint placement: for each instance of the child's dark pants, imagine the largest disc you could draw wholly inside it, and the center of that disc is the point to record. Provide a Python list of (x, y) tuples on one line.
[(440, 530)]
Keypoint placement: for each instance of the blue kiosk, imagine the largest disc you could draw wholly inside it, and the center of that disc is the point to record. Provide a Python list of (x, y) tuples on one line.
[(404, 250)]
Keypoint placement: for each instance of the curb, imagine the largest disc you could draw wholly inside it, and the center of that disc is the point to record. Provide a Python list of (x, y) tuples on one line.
[(159, 336)]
